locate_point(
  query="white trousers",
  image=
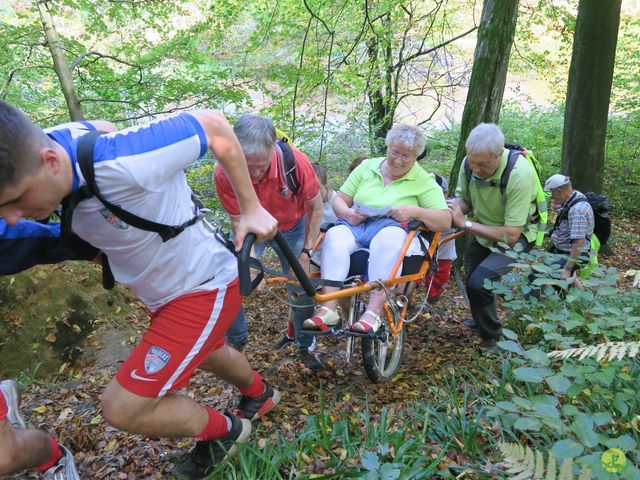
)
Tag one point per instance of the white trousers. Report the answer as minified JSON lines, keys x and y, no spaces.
{"x":384,"y":250}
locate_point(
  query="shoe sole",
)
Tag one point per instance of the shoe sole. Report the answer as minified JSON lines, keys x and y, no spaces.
{"x":242,"y":438}
{"x":319,"y":333}
{"x":12,"y":396}
{"x":268,"y":405}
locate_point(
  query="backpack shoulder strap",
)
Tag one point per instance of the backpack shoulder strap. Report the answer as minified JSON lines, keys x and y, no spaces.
{"x":69,"y":204}
{"x":467,"y":169}
{"x":288,"y":166}
{"x":564,"y":212}
{"x":506,"y":173}
{"x":467,"y":173}
{"x":85,"y":152}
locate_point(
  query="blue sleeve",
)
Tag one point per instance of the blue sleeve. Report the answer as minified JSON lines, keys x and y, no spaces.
{"x":27,"y":244}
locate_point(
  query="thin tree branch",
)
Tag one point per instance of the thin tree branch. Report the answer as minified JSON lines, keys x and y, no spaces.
{"x":75,"y":64}
{"x":5,"y":87}
{"x":313,"y":14}
{"x":295,"y":89}
{"x":421,"y":53}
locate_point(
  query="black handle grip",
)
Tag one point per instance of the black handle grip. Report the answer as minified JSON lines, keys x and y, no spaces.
{"x":244,"y":274}
{"x":244,"y":270}
{"x":298,"y":271}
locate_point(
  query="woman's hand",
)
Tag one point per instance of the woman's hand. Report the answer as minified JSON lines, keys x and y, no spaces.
{"x":403,"y":213}
{"x":353,"y":217}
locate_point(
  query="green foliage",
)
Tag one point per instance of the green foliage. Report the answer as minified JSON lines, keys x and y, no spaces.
{"x":328,"y":446}
{"x":523,"y":464}
{"x":580,"y":407}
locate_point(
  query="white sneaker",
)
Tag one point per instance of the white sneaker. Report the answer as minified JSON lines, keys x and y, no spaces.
{"x":64,"y":469}
{"x":12,"y":397}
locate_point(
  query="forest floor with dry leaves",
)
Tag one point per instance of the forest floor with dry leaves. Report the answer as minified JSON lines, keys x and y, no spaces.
{"x":437,"y":346}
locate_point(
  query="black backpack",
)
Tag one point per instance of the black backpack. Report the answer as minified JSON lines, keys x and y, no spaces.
{"x":601,"y":214}
{"x":288,"y":168}
{"x":85,"y":148}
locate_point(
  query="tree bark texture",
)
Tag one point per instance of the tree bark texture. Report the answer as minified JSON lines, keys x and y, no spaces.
{"x":589,"y":91}
{"x":383,"y":92}
{"x":60,"y":62}
{"x":489,"y":71}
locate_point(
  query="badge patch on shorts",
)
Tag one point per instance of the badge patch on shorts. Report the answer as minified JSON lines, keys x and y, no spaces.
{"x":155,"y":360}
{"x":113,"y":220}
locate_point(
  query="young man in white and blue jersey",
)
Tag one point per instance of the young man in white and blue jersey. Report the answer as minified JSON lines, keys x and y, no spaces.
{"x":189,"y":282}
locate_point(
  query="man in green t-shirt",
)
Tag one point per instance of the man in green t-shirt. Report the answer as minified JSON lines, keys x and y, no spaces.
{"x":498,"y":219}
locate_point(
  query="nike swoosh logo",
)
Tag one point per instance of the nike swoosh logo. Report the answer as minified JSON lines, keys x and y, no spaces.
{"x":135,"y":376}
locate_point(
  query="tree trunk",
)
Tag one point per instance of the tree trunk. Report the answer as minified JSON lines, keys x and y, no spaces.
{"x":60,"y":62}
{"x":489,"y":72}
{"x":588,"y":92}
{"x":381,"y":95}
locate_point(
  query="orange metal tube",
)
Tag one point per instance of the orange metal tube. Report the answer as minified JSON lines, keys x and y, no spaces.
{"x":390,"y":281}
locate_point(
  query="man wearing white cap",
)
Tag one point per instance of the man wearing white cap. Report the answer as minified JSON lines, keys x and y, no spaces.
{"x":572,"y":232}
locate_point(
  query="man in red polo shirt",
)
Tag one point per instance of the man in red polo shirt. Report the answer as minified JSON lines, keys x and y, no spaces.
{"x":299,"y":216}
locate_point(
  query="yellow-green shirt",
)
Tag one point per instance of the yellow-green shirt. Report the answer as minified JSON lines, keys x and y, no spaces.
{"x":486,"y":204}
{"x":417,"y":187}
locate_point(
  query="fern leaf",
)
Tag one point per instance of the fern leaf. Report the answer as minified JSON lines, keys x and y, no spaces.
{"x":524,"y":464}
{"x":539,"y":473}
{"x":585,"y":473}
{"x":551,"y":468}
{"x":587,"y":352}
{"x":603,"y":351}
{"x":566,"y":470}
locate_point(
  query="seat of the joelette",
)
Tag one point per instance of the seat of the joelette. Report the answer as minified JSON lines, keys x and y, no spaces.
{"x":360,"y":262}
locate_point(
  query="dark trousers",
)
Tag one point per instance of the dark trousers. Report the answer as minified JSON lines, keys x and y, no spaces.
{"x":480,"y":263}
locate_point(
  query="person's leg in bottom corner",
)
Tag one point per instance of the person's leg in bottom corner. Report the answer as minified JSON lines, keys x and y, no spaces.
{"x":184,"y":334}
{"x":22,"y":448}
{"x":25,"y":449}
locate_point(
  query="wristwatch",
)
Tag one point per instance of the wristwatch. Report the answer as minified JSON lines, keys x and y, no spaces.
{"x":309,"y":251}
{"x":468,"y":225}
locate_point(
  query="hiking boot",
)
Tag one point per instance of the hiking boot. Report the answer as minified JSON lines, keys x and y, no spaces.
{"x":254,"y":408}
{"x":205,"y":454}
{"x":64,"y":469}
{"x":470,"y":323}
{"x":12,"y":398}
{"x":489,"y":346}
{"x":310,"y":359}
{"x":283,"y":341}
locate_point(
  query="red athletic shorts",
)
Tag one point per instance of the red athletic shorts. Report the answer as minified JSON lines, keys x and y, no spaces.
{"x":182,"y":334}
{"x":3,"y":407}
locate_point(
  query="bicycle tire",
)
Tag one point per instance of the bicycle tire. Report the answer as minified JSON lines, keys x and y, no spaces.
{"x":382,"y":366}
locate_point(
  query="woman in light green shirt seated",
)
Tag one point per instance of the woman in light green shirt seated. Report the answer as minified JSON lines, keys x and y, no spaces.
{"x":373,"y":206}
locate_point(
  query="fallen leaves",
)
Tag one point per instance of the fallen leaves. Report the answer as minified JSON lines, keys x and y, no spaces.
{"x":436,"y":347}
